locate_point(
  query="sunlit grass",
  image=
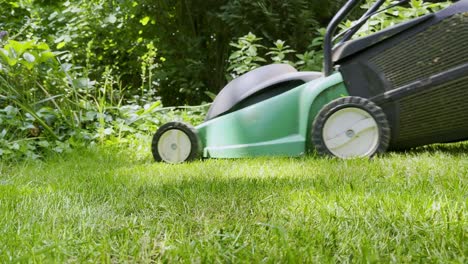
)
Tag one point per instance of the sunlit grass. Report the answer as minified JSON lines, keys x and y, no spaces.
{"x":109,"y":205}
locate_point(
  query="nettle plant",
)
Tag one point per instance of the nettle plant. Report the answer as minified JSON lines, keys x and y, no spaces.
{"x":246,"y":56}
{"x":29,"y":74}
{"x":249,"y":54}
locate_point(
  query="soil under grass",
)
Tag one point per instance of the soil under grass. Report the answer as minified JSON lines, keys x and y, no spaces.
{"x":105,"y":205}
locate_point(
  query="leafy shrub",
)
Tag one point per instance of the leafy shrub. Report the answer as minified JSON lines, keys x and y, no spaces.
{"x":279,"y":52}
{"x":312,"y":59}
{"x":249,"y":54}
{"x":25,"y":78}
{"x":94,"y":34}
{"x":31,"y":85}
{"x":246,"y":56}
{"x":99,"y":34}
{"x":393,"y":16}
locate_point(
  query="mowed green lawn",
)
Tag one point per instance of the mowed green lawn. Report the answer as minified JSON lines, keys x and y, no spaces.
{"x":107,"y":205}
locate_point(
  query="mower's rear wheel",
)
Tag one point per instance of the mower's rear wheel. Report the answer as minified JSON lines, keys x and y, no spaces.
{"x":351,"y":127}
{"x":176,"y":142}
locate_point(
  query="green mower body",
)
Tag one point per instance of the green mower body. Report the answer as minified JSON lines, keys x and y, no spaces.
{"x":278,"y":126}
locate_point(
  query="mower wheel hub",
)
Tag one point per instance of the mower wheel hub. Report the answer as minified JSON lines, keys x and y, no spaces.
{"x":174,"y":146}
{"x":351,"y":132}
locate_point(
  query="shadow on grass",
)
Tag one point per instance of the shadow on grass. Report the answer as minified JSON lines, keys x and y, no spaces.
{"x":454,"y":149}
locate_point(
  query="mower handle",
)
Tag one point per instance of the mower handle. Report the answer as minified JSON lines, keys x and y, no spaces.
{"x":372,"y":11}
{"x":333,"y":25}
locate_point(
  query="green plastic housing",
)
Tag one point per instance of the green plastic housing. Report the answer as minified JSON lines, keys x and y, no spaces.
{"x":278,"y":126}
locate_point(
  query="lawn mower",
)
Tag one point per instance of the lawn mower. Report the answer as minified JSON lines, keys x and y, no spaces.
{"x":399,"y":88}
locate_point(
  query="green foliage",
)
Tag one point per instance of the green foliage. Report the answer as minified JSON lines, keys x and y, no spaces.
{"x":15,"y":16}
{"x":394,"y":16}
{"x":91,"y":34}
{"x":19,"y":135}
{"x":111,"y":32}
{"x":148,"y":66}
{"x":193,"y":43}
{"x":246,"y":57}
{"x":249,"y":54}
{"x":312,"y":59}
{"x":279,"y":52}
{"x":37,"y":62}
{"x":293,"y":21}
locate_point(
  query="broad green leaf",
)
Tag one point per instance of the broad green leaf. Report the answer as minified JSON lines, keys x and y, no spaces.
{"x":144,"y":21}
{"x":90,"y":115}
{"x":44,"y":144}
{"x":82,"y":83}
{"x":19,"y":47}
{"x":27,"y":64}
{"x":5,"y":56}
{"x":66,"y":67}
{"x":61,"y":45}
{"x":29,"y":57}
{"x":111,"y":19}
{"x":42,"y":46}
{"x":44,"y":56}
{"x":149,"y":109}
{"x":108,"y":131}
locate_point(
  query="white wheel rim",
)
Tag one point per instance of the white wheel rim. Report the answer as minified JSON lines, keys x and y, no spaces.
{"x":174,"y":146}
{"x":351,"y":132}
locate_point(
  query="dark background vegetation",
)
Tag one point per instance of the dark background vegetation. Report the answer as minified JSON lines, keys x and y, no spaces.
{"x":192,"y":36}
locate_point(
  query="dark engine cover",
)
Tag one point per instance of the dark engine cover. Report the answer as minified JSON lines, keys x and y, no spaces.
{"x":419,"y":77}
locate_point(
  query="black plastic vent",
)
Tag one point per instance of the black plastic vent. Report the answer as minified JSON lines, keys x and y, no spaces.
{"x":437,"y":49}
{"x":266,"y":94}
{"x":439,"y":114}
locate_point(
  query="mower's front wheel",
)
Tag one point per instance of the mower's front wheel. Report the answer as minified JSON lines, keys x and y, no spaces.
{"x":176,"y":142}
{"x":351,"y":127}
